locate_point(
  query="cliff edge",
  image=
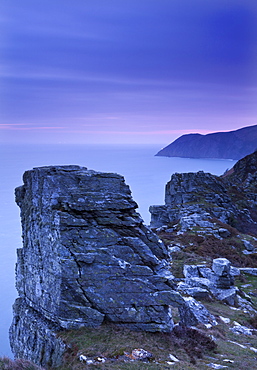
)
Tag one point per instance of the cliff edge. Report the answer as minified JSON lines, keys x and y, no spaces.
{"x":198,"y":199}
{"x":87,"y":258}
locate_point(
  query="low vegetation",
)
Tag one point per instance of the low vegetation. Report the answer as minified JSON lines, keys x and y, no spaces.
{"x":112,"y":343}
{"x":195,"y":349}
{"x":200,"y":248}
{"x":109,"y":347}
{"x":8,"y":364}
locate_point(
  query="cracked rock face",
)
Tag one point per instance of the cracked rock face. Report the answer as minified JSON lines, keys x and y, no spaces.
{"x":86,"y":257}
{"x":194,"y":200}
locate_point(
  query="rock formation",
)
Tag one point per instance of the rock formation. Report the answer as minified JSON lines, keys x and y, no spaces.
{"x":87,"y":258}
{"x":194,"y":200}
{"x":216,"y":282}
{"x":231,"y":145}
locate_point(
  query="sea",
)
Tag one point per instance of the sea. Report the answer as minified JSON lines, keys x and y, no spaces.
{"x":145,"y":173}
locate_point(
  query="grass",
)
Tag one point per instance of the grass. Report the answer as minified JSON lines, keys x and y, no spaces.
{"x":194,"y":350}
{"x":8,"y":364}
{"x":110,"y":341}
{"x":204,"y":248}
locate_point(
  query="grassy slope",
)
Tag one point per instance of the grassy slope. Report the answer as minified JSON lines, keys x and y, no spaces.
{"x":193,"y":350}
{"x":112,"y":342}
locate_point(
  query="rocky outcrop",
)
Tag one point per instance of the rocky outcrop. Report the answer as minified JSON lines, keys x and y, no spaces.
{"x":194,"y":312}
{"x":244,"y":171}
{"x":194,"y":200}
{"x":87,"y":258}
{"x":231,"y":145}
{"x":216,"y":282}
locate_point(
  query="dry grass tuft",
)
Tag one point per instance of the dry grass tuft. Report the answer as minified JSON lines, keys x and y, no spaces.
{"x":20,"y":364}
{"x":194,"y":342}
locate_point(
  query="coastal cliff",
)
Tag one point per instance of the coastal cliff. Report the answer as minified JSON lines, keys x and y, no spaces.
{"x":87,"y":258}
{"x":196,"y":199}
{"x":89,"y":262}
{"x":225,"y":145}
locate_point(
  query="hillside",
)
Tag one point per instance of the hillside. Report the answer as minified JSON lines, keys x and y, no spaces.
{"x":193,"y":198}
{"x":207,"y":235}
{"x":204,"y":218}
{"x":225,"y":145}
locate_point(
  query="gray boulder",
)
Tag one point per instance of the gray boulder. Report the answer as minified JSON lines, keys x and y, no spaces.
{"x":249,"y":270}
{"x":240,"y":329}
{"x":222,"y":277}
{"x":195,"y":292}
{"x":248,"y":246}
{"x":228,"y":296}
{"x":194,"y":312}
{"x":224,"y":233}
{"x":217,"y":282}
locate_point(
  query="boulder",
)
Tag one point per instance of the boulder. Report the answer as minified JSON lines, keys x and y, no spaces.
{"x":248,"y":245}
{"x":201,"y":281}
{"x":194,"y":312}
{"x":221,"y":266}
{"x":235,"y":271}
{"x":224,"y":233}
{"x":173,"y":250}
{"x":249,"y":270}
{"x":195,"y":292}
{"x":240,"y":329}
{"x":222,"y":277}
{"x":228,"y":296}
{"x":190,"y":271}
{"x":198,"y":271}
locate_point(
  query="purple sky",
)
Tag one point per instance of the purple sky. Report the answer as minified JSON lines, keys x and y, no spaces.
{"x":126,"y":71}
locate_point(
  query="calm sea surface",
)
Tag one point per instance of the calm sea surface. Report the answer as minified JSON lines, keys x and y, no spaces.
{"x":144,"y":173}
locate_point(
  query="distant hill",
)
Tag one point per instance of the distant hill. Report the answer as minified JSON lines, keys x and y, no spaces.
{"x":226,"y":145}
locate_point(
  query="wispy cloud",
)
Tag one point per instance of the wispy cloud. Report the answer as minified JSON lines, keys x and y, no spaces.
{"x":142,"y":68}
{"x":23,"y":127}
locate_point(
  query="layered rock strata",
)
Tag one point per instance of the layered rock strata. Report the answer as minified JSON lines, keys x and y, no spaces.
{"x":192,"y":199}
{"x":87,"y":258}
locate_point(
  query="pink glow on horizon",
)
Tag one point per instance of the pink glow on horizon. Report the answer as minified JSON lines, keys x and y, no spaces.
{"x":65,"y":129}
{"x":32,"y":128}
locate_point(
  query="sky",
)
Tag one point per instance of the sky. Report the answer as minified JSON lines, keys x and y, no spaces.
{"x":125,"y":71}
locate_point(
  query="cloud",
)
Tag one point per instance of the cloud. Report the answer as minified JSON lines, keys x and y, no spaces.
{"x":155,"y":39}
{"x":151,"y":64}
{"x":24,"y":127}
